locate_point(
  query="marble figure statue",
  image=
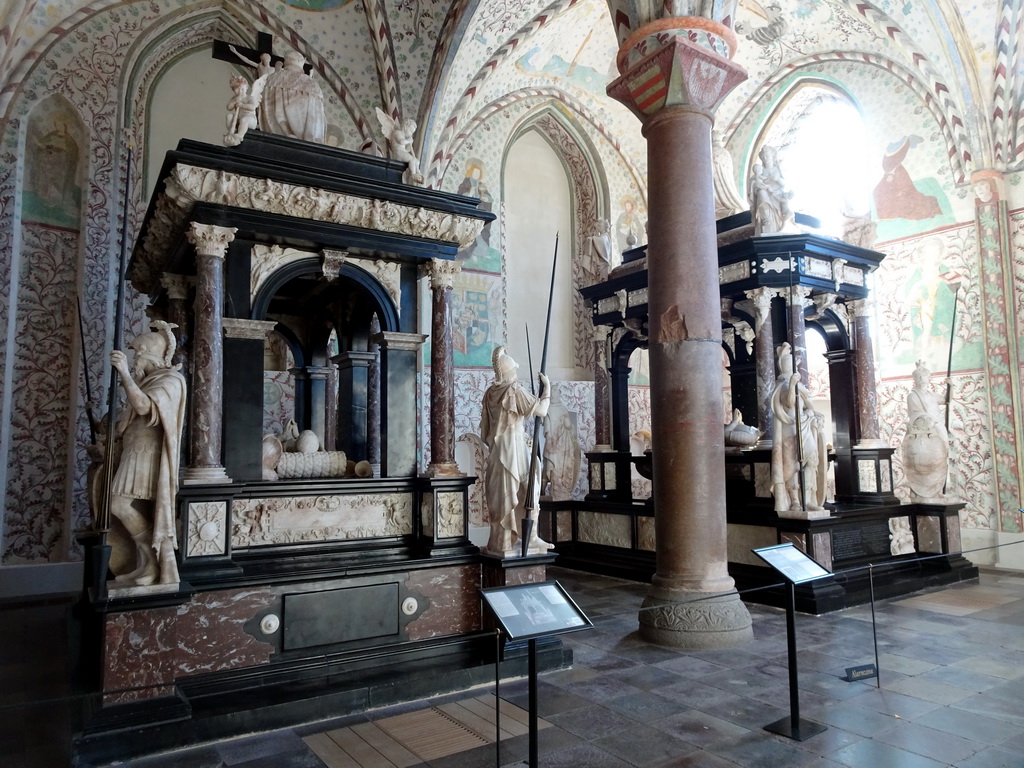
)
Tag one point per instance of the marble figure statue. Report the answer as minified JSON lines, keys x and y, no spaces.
{"x":925,"y":447}
{"x":293,"y":104}
{"x":799,"y":454}
{"x":400,"y":135}
{"x":562,"y":450}
{"x":506,"y":409}
{"x":769,"y":199}
{"x":145,"y":482}
{"x":599,"y":258}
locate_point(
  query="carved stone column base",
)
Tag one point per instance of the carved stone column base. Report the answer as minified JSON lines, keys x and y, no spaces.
{"x":870,"y":444}
{"x":444,"y":470}
{"x":805,"y":514}
{"x":204,"y":476}
{"x":695,"y":621}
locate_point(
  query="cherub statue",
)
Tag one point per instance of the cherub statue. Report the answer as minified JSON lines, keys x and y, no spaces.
{"x":400,"y":135}
{"x":242,"y":108}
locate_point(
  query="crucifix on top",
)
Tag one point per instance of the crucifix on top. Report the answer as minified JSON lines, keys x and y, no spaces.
{"x":283,"y":99}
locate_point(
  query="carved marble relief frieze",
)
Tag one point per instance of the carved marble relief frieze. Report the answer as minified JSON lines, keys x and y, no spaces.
{"x":334,"y":517}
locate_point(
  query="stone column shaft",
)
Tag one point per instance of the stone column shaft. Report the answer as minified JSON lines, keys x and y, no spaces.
{"x":673,"y":85}
{"x":602,"y":391}
{"x":798,"y":300}
{"x":864,"y":365}
{"x":442,"y":369}
{"x":764,"y":355}
{"x":177,"y":287}
{"x":373,"y":411}
{"x":206,"y":422}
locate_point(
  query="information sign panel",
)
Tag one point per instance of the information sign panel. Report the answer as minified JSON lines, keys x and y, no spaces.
{"x":793,"y":564}
{"x":534,"y":610}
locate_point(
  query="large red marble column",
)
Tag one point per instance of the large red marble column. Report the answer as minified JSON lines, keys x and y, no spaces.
{"x":602,"y":392}
{"x":764,"y":355}
{"x":206,"y":418}
{"x":864,"y":364}
{"x":692,"y":602}
{"x":798,"y":299}
{"x":442,"y":274}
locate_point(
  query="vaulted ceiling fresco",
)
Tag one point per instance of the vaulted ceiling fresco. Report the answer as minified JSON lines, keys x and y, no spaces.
{"x":452,"y":65}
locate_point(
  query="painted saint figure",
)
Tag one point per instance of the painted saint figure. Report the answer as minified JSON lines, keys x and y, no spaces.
{"x":799,"y":454}
{"x":145,"y":483}
{"x":926,"y":445}
{"x":507,"y":408}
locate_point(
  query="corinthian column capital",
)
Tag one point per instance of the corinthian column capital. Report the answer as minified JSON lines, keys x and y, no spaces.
{"x":209,"y":239}
{"x":442,"y":272}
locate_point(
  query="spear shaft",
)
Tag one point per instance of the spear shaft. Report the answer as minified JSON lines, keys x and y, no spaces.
{"x":532,"y":491}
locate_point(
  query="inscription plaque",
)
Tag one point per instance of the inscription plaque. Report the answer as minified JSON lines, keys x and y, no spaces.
{"x":866,"y":540}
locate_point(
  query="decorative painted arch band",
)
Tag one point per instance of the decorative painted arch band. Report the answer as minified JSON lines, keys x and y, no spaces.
{"x":939,"y":103}
{"x":571,"y":105}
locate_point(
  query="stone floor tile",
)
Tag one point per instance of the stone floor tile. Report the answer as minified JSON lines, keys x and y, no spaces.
{"x":895,"y":704}
{"x":239,"y":751}
{"x":772,"y":752}
{"x":701,"y":729}
{"x":971,"y":726}
{"x":874,"y":754}
{"x":929,"y":690}
{"x":992,"y":757}
{"x":856,"y":719}
{"x":593,"y":722}
{"x":922,"y":740}
{"x":644,"y":746}
{"x":645,"y":707}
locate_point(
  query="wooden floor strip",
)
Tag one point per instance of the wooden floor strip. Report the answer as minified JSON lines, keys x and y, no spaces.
{"x":412,"y":738}
{"x":329,"y":752}
{"x":386,"y":745}
{"x":356,"y":746}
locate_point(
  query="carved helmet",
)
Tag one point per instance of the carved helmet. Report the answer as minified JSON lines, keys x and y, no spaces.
{"x":158,"y":345}
{"x":504,"y":366}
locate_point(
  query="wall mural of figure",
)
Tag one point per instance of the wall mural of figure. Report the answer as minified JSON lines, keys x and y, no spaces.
{"x":53,"y":193}
{"x":896,"y":196}
{"x":481,"y":254}
{"x":629,"y":223}
{"x":931,"y":295}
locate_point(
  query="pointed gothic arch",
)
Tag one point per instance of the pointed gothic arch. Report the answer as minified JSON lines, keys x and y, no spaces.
{"x":589,"y":193}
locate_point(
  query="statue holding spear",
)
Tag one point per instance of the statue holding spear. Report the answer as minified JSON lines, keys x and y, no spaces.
{"x":512,"y":470}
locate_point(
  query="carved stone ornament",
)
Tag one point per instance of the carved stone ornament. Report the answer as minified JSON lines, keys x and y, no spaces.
{"x":779,"y":264}
{"x":388,"y":274}
{"x":240,"y":328}
{"x":267,"y":259}
{"x":333,"y":262}
{"x":209,"y":239}
{"x":401,"y":342}
{"x":442,"y":272}
{"x":730,"y":273}
{"x":187,"y":185}
{"x":207,"y":522}
{"x":761,"y":298}
{"x":316,"y":519}
{"x":449,"y":515}
{"x":176,"y":285}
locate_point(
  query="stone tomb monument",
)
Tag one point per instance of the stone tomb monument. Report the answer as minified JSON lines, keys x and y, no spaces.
{"x":310,"y":561}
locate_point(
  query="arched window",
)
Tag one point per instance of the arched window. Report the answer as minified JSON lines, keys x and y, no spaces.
{"x":823,"y":154}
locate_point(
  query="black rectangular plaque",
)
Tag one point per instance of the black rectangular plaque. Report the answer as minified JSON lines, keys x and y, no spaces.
{"x":340,"y":615}
{"x":868,"y":539}
{"x":793,"y":564}
{"x":534,"y":610}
